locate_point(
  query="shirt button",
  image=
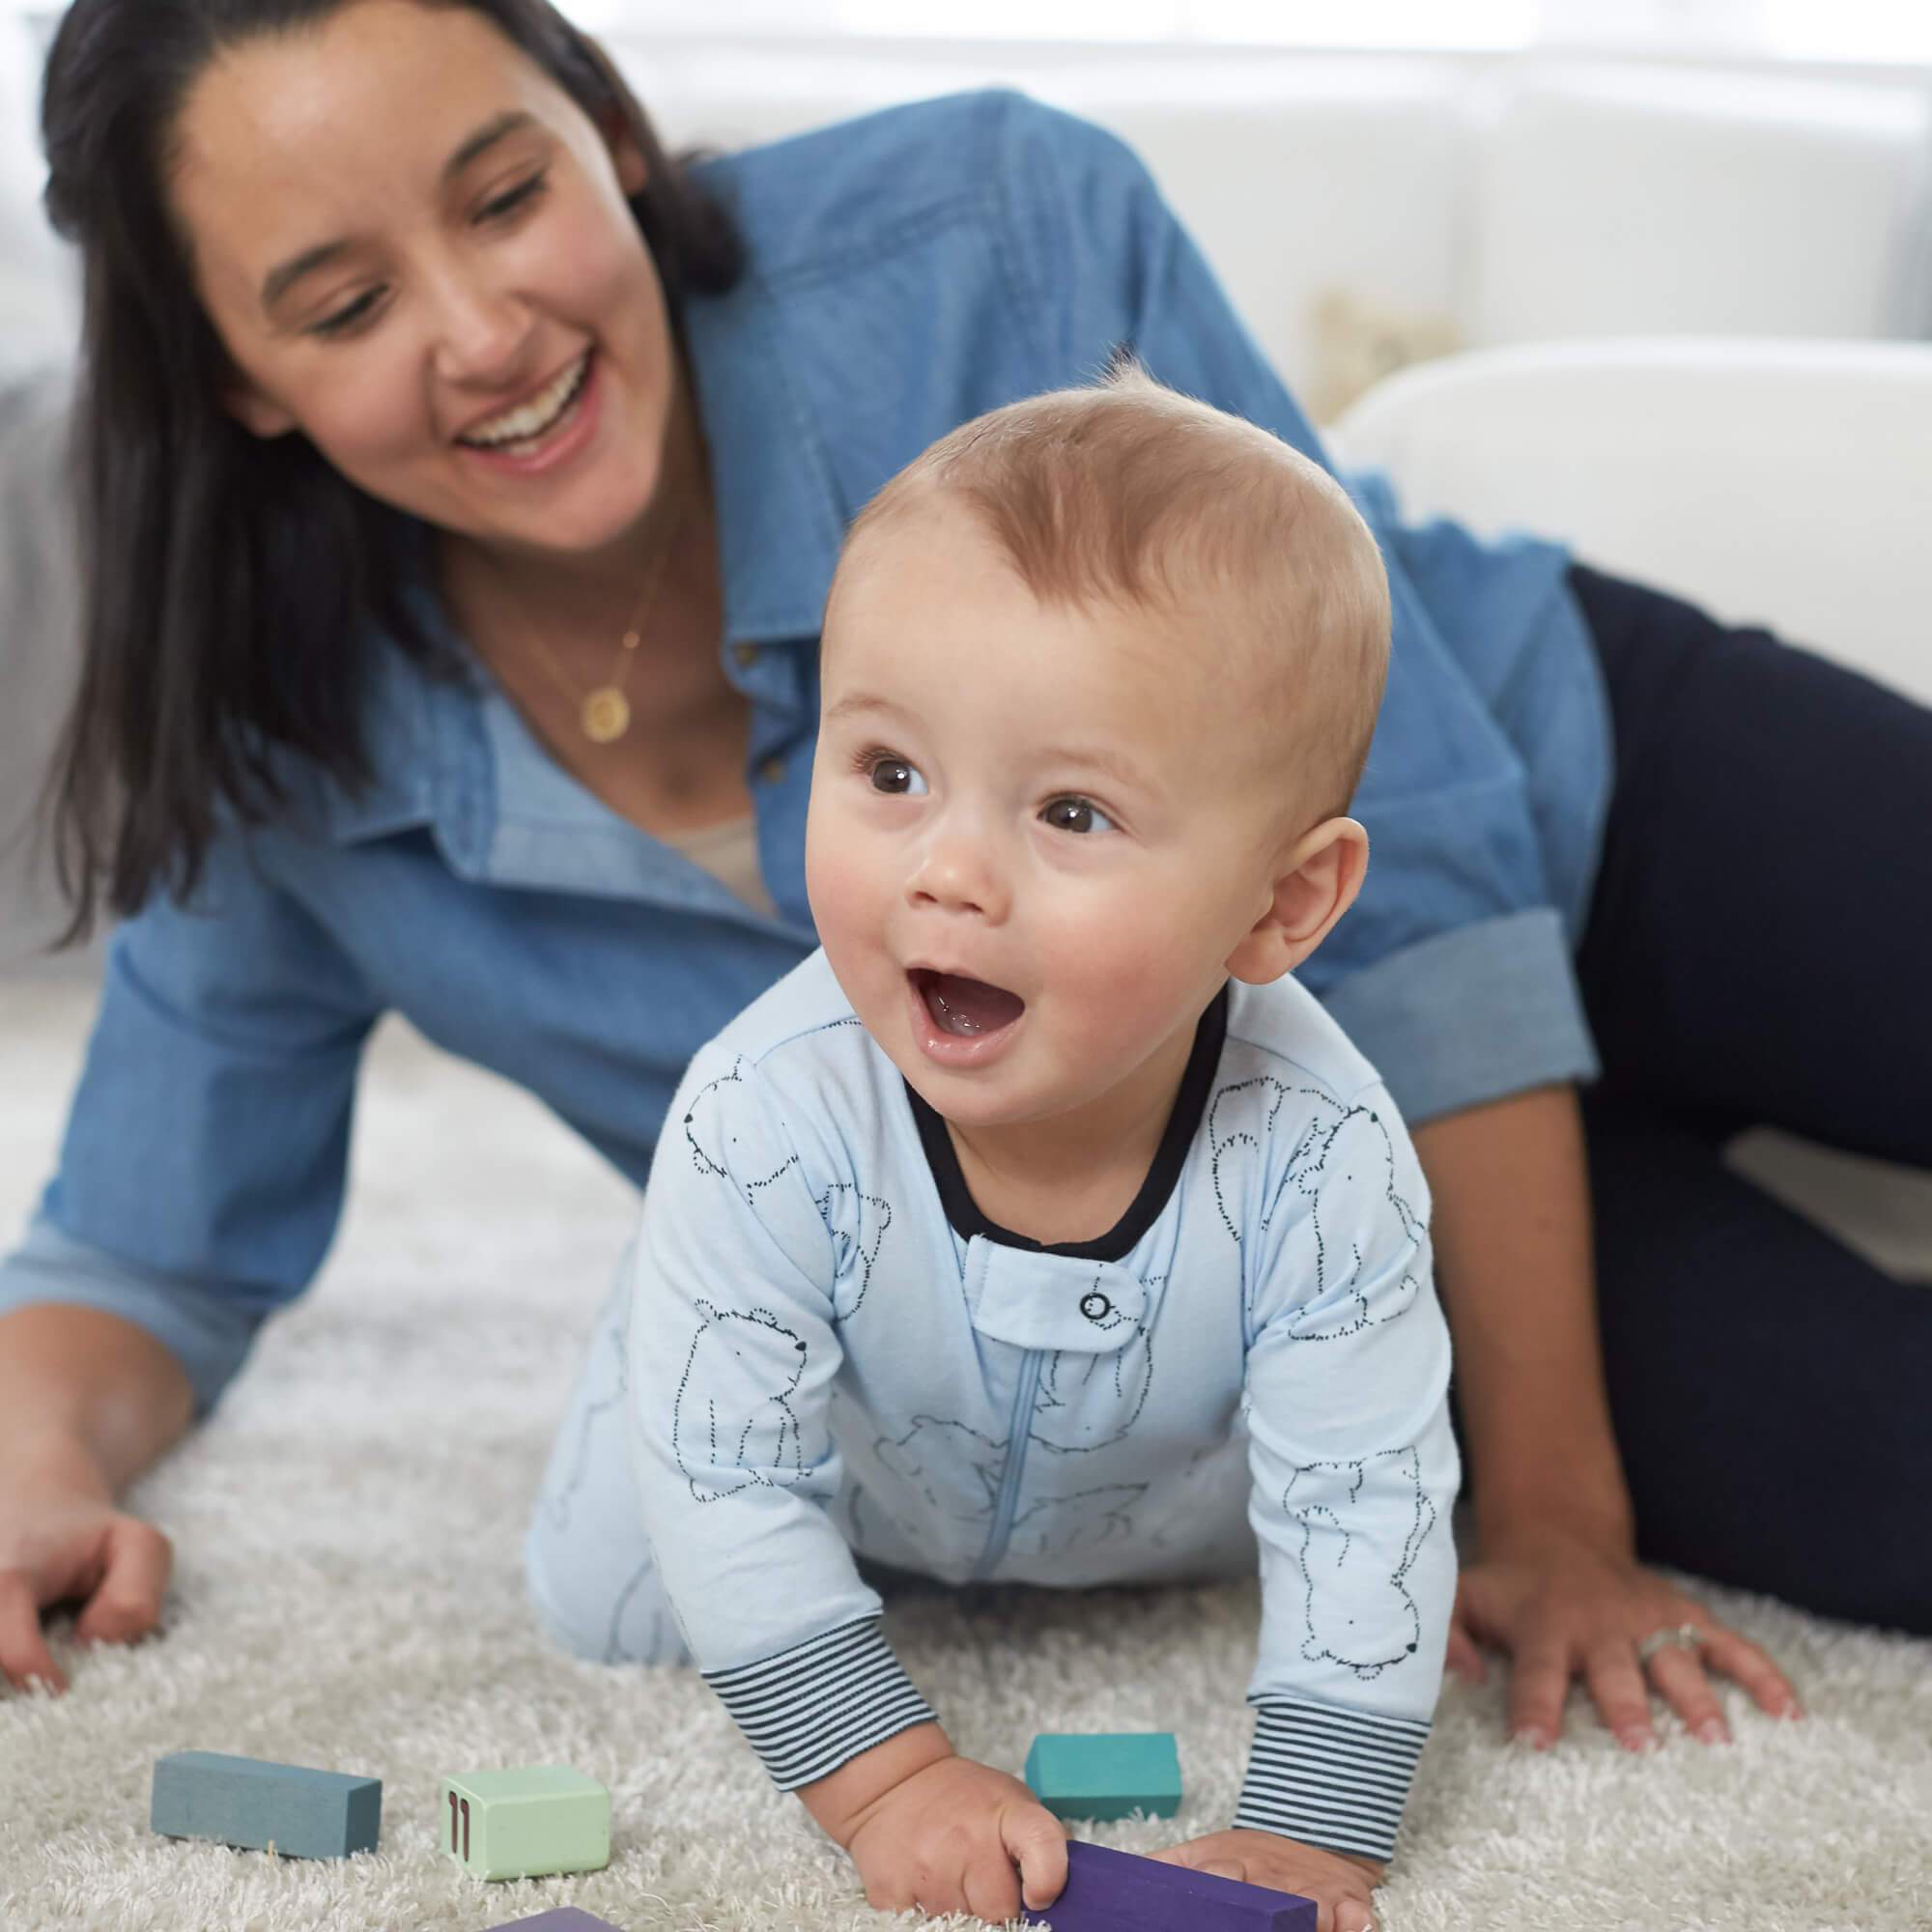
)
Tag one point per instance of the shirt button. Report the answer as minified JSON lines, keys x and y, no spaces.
{"x":772,"y":770}
{"x":746,"y":654}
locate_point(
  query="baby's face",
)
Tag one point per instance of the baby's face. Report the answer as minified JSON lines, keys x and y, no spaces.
{"x":1035,"y":833}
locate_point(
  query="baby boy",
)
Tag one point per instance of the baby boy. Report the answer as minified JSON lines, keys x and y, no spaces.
{"x":1041,"y":1228}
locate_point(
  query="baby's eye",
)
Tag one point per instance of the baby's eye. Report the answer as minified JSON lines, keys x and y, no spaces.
{"x":1077,"y":814}
{"x":895,"y":776}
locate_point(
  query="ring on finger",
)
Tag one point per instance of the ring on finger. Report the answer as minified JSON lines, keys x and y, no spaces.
{"x":1689,"y":1635}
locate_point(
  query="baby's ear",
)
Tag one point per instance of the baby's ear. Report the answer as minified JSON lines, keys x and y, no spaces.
{"x":1316,"y":882}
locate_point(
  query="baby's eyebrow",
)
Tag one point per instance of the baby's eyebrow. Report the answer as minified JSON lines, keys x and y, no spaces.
{"x":1102,"y":759}
{"x":861,"y":703}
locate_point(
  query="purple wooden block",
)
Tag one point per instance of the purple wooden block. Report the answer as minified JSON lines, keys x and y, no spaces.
{"x":565,"y":1918}
{"x":1116,"y":1892}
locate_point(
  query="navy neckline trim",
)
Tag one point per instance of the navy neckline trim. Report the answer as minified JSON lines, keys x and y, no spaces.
{"x":1190,"y":1108}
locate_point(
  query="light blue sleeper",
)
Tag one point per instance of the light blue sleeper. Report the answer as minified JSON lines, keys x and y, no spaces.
{"x":822,"y":1351}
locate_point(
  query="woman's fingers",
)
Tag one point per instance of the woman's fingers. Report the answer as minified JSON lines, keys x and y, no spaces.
{"x":1537,"y":1688}
{"x":1742,"y":1661}
{"x":127,"y":1603}
{"x":1616,"y":1681}
{"x":24,"y":1656}
{"x":1463,"y":1656}
{"x":1680,"y":1680}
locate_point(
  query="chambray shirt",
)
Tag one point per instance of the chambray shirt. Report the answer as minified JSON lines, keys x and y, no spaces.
{"x":908,"y":271}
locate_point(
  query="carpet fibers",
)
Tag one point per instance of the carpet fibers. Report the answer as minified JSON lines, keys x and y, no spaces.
{"x":347,"y":1594}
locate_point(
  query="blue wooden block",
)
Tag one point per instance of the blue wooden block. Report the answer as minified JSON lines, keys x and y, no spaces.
{"x":1105,"y":1774}
{"x":1115,"y":1891}
{"x":565,"y":1918}
{"x":248,"y":1803}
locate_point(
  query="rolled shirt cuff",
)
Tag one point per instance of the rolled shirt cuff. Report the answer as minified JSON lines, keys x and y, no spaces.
{"x":211,"y":1334}
{"x":815,"y":1707}
{"x":1471,"y":1015}
{"x":1330,"y":1777}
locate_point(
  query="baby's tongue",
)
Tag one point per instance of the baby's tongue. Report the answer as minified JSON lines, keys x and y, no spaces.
{"x":970,"y":1006}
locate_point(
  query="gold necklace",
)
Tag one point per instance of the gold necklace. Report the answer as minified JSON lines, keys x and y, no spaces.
{"x":603,"y":714}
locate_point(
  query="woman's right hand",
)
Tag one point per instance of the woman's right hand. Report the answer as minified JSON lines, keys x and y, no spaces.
{"x":62,"y":1541}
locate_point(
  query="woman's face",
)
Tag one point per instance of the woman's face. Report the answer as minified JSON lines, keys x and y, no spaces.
{"x":417,"y":250}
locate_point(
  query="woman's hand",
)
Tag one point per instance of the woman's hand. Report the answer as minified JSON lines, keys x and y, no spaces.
{"x":1338,"y":1882}
{"x":1562,"y":1605}
{"x":62,"y":1541}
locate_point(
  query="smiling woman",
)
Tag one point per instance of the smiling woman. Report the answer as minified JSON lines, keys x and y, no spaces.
{"x":355,"y":272}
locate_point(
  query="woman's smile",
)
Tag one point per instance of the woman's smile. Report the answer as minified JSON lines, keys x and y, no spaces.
{"x":546,"y":433}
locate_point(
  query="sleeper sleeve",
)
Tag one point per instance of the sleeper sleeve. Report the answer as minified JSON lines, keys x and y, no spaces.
{"x":1354,"y":1473}
{"x":734,"y":1352}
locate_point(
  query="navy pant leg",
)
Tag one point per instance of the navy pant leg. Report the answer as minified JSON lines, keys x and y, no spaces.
{"x":1760,"y":951}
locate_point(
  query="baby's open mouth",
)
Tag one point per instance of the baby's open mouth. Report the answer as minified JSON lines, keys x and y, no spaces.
{"x":962,"y":1006}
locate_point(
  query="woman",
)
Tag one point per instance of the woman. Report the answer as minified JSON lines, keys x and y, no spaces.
{"x":465,"y":479}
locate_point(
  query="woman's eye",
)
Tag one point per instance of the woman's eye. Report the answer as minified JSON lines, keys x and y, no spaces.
{"x":896,"y":777}
{"x":1077,"y":814}
{"x":346,"y":318}
{"x":512,"y":199}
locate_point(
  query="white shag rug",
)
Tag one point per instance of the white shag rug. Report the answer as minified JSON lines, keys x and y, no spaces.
{"x":349,"y":1595}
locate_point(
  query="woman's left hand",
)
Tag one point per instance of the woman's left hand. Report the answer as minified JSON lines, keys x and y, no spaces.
{"x":1338,"y":1882}
{"x":1561,"y":1606}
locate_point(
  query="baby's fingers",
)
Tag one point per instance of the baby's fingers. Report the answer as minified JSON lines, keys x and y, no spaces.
{"x":1036,"y":1843}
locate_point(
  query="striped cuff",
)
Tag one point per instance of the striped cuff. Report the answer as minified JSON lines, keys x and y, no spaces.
{"x":1334,"y":1778}
{"x":810,"y":1709}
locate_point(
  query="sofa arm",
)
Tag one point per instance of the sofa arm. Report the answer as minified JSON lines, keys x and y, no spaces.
{"x":1784,"y":482}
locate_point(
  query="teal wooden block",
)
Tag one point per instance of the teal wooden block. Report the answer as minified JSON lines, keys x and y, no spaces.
{"x":251,"y":1803}
{"x":526,"y":1823}
{"x":1105,"y":1774}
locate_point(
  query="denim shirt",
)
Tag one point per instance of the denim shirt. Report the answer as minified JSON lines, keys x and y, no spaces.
{"x":908,"y":271}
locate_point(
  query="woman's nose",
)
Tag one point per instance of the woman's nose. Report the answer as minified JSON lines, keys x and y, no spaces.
{"x":958,"y":874}
{"x":483,"y":333}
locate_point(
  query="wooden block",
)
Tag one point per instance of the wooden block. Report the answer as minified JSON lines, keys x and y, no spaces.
{"x":527,"y":1823}
{"x":1105,"y":1774}
{"x":251,"y":1803}
{"x":565,"y":1918}
{"x":1115,"y":1891}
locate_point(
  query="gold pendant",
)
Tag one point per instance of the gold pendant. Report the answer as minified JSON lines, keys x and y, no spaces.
{"x":606,"y":715}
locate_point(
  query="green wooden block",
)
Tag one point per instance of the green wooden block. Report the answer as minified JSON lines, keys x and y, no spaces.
{"x":526,"y":1823}
{"x":1105,"y":1774}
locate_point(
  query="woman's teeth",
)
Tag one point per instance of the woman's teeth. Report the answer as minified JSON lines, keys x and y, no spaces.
{"x":536,"y":418}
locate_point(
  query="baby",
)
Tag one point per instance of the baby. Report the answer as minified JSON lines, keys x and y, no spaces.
{"x":1041,"y":1228}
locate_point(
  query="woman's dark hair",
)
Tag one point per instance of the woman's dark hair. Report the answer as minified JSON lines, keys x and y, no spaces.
{"x":233,"y":585}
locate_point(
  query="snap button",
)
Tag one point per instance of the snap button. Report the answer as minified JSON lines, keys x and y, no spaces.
{"x":1095,"y":1306}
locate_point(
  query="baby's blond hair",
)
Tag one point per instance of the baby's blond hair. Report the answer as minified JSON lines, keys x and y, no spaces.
{"x":1129,"y":493}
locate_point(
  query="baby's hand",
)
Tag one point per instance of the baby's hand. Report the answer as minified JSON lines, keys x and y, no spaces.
{"x":1338,"y":1882}
{"x":947,"y":1839}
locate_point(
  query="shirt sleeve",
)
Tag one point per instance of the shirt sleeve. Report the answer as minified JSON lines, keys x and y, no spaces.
{"x":1356,"y":1474}
{"x":1454,"y":933}
{"x":201,"y":1174}
{"x":734,"y":1351}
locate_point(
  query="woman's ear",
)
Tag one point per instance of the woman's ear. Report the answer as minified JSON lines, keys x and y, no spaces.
{"x":634,"y":172}
{"x":1316,"y":883}
{"x":258,"y":413}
